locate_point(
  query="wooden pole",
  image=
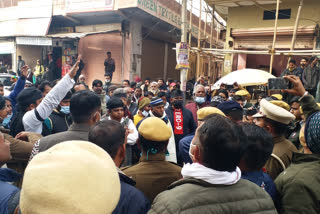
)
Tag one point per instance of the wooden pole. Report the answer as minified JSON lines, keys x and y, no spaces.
{"x":205,"y":30}
{"x":211,"y":33}
{"x":294,"y":36}
{"x":274,"y":36}
{"x":190,"y":27}
{"x":199,"y":43}
{"x":190,"y":40}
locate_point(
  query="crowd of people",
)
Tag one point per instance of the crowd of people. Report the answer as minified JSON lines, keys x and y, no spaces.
{"x":141,"y":147}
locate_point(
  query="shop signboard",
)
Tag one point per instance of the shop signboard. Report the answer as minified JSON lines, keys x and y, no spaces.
{"x":41,"y":41}
{"x":164,"y":13}
{"x":82,"y":6}
{"x":7,"y":48}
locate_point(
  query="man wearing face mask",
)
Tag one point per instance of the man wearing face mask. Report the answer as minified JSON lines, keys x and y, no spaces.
{"x":199,"y":101}
{"x":107,"y":82}
{"x":60,"y":119}
{"x":144,"y":108}
{"x":98,"y":89}
{"x":181,"y":119}
{"x":85,"y":108}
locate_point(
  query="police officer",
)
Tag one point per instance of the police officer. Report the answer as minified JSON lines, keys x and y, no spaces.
{"x":153,"y":174}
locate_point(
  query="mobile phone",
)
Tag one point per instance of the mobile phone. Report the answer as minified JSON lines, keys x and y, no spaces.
{"x":278,"y":83}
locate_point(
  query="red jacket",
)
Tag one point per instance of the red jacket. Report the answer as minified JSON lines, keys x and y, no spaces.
{"x":194,"y":107}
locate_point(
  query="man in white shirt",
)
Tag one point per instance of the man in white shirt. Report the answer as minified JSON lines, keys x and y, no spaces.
{"x":38,"y":112}
{"x":116,"y":112}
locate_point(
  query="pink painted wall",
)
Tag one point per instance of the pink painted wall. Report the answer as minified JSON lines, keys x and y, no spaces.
{"x":242,"y":61}
{"x":93,"y":49}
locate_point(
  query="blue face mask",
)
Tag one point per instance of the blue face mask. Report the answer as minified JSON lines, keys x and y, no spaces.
{"x":7,"y":120}
{"x":65,"y":109}
{"x":200,"y":100}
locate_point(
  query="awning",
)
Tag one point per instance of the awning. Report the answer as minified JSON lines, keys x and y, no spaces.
{"x":74,"y":35}
{"x":25,"y":27}
{"x":88,"y":30}
{"x":222,"y":6}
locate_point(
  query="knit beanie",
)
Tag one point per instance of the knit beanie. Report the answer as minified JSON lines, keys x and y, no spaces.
{"x":312,"y":133}
{"x":114,"y":102}
{"x":143,"y":102}
{"x":28,"y":96}
{"x":71,"y":177}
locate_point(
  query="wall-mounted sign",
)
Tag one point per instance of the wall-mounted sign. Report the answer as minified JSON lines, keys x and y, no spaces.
{"x":182,"y":55}
{"x":34,"y":41}
{"x":7,"y":48}
{"x":82,"y":6}
{"x":162,"y":12}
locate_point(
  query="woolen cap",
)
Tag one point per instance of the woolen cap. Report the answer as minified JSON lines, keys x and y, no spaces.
{"x":229,"y":106}
{"x":281,"y":104}
{"x":155,"y":129}
{"x":206,"y":111}
{"x":274,"y":112}
{"x":156,"y":101}
{"x":143,"y":102}
{"x":29,"y":96}
{"x":312,"y":133}
{"x":71,"y":177}
{"x":114,"y":102}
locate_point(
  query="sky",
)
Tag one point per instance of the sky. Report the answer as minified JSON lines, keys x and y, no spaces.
{"x":196,"y":10}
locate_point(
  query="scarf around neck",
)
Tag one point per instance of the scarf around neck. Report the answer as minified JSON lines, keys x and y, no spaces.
{"x":178,"y":121}
{"x":211,"y":176}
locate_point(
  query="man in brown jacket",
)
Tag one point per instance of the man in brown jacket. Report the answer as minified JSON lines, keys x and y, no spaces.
{"x":153,"y":174}
{"x":275,"y":120}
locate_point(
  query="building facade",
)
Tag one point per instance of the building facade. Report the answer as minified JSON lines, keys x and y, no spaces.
{"x":140,"y":34}
{"x":250,"y":26}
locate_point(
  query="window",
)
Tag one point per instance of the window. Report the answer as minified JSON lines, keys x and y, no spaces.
{"x":271,"y":15}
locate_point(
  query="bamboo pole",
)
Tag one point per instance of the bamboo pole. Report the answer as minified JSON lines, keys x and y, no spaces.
{"x":199,"y":43}
{"x":190,"y":26}
{"x":294,"y":36}
{"x":205,"y":30}
{"x":190,"y":40}
{"x":211,"y":33}
{"x":274,"y":36}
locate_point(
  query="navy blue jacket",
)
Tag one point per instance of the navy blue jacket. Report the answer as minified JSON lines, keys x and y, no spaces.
{"x":131,"y":199}
{"x":263,"y":180}
{"x":189,"y":125}
{"x":184,"y":146}
{"x":17,"y":89}
{"x":7,"y":191}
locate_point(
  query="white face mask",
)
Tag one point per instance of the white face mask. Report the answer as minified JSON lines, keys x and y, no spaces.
{"x":190,"y":154}
{"x":145,"y":113}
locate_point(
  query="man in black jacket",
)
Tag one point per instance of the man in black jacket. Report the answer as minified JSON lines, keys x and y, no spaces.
{"x":131,"y":199}
{"x":181,"y":119}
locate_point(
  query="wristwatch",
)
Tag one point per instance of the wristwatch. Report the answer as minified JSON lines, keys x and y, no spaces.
{"x":305,"y":94}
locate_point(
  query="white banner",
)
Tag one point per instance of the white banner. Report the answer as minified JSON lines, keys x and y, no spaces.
{"x":42,"y":41}
{"x":76,"y":6}
{"x":7,"y":48}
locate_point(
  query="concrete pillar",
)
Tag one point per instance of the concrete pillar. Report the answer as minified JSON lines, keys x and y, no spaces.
{"x":242,"y":61}
{"x":136,"y":49}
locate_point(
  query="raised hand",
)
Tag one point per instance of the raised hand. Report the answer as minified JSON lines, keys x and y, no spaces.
{"x":73,"y":71}
{"x":298,"y":88}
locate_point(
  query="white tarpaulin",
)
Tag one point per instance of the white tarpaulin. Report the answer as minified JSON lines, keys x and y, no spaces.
{"x":245,"y":77}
